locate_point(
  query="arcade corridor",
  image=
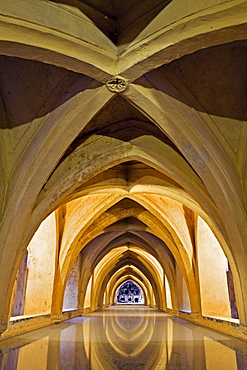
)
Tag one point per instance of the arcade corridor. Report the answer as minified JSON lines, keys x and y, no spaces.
{"x":123,"y":337}
{"x":123,"y":180}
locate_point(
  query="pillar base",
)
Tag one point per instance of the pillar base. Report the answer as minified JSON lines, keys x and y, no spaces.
{"x":3,"y":327}
{"x":243,"y":328}
{"x":190,"y":316}
{"x":57,"y":317}
{"x":195,"y":316}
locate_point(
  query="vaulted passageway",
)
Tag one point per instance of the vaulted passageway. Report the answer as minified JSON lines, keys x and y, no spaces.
{"x":83,"y":253}
{"x":124,"y":337}
{"x":123,"y":157}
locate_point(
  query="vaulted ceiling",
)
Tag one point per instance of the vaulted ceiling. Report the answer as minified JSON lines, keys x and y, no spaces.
{"x":132,"y":168}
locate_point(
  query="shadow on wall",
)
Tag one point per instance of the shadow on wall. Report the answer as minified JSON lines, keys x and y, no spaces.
{"x":31,"y":89}
{"x":201,"y":80}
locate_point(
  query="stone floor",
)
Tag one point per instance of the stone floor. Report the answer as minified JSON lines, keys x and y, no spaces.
{"x":130,"y":337}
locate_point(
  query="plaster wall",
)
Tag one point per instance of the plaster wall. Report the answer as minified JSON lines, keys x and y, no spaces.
{"x":168,"y":294}
{"x":19,"y":291}
{"x":183,"y":295}
{"x":88,"y":294}
{"x":212,"y":273}
{"x":71,"y":291}
{"x":42,"y":250}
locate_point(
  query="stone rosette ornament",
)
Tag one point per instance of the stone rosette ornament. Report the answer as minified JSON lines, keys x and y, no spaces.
{"x":117,"y":84}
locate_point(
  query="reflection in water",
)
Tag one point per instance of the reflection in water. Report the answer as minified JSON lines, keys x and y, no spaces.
{"x":135,"y":337}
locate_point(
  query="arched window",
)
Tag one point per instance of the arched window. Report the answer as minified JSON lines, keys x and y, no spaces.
{"x":129,"y":293}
